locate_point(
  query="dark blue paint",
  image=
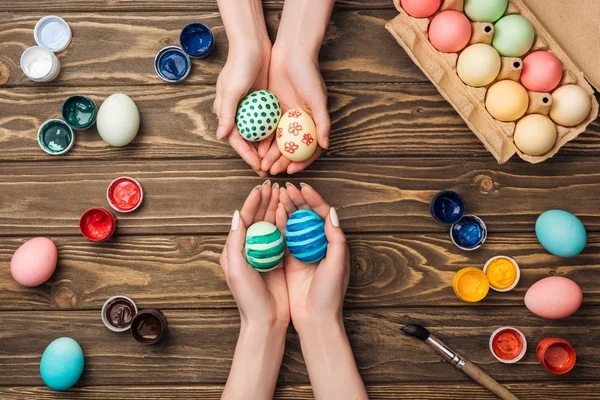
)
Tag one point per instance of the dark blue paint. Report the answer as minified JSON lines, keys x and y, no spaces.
{"x":447,"y":207}
{"x":469,"y":233}
{"x":197,"y":40}
{"x":172,"y":64}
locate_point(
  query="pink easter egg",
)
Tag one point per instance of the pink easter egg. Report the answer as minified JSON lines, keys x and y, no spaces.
{"x":449,"y":31}
{"x":542,"y":71}
{"x":34,"y":262}
{"x":420,"y":8}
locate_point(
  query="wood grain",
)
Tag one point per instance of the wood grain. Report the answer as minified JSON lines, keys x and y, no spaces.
{"x":407,"y":270}
{"x":356,"y":48}
{"x":186,"y":197}
{"x":200,"y":344}
{"x":390,"y":391}
{"x":177,"y":122}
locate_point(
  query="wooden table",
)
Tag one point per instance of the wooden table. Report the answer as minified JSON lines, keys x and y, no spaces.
{"x":395,"y":143}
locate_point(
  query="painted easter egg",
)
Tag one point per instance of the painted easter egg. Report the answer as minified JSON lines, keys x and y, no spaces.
{"x":478,"y":65}
{"x":258,"y":115}
{"x":449,"y":31}
{"x":62,"y":364}
{"x":506,"y":100}
{"x":296,"y":135}
{"x":570,"y":105}
{"x":264,"y":246}
{"x":535,"y":134}
{"x":118,"y":120}
{"x":513,"y":35}
{"x":542,"y":71}
{"x":420,"y":8}
{"x":34,"y":262}
{"x":561,"y":233}
{"x":305,"y":236}
{"x":554,"y":297}
{"x":485,"y":10}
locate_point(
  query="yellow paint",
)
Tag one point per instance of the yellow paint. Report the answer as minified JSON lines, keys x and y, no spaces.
{"x":471,"y":284}
{"x":501,"y":273}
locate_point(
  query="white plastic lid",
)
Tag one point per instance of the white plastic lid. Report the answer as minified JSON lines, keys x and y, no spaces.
{"x":53,"y":33}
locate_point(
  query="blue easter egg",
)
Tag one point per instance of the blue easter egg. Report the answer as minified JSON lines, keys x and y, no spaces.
{"x":305,"y":236}
{"x":561,"y":233}
{"x":62,"y":364}
{"x":264,"y":246}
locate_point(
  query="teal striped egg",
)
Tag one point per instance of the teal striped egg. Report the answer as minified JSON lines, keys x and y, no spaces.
{"x":264,"y":246}
{"x":258,"y":115}
{"x":305,"y":236}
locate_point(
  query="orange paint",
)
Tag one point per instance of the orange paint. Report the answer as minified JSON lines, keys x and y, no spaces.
{"x":556,"y":355}
{"x":507,"y":344}
{"x":470,"y":284}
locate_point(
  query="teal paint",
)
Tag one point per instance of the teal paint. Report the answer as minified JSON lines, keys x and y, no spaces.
{"x":264,"y":246}
{"x":80,"y":112}
{"x":55,"y":137}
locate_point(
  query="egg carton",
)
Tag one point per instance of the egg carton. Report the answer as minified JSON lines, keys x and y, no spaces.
{"x":469,"y":102}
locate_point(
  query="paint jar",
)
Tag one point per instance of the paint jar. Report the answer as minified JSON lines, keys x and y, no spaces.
{"x":447,"y":207}
{"x":118,"y":312}
{"x":80,"y":112}
{"x":125,"y":194}
{"x":172,"y":64}
{"x":508,"y":344}
{"x":503,"y":273}
{"x":55,"y":137}
{"x":40,"y":64}
{"x":53,"y":33}
{"x":556,"y":355}
{"x":469,"y":233}
{"x":470,"y":284}
{"x":97,"y":224}
{"x":197,"y":40}
{"x":149,"y":326}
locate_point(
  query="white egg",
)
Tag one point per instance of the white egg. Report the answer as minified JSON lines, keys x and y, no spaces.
{"x":118,"y":120}
{"x":296,"y":135}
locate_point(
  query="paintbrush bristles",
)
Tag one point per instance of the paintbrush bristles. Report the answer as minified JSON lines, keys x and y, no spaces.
{"x":417,"y":331}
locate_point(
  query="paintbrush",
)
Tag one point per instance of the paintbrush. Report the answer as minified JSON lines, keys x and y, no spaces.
{"x":473,"y":371}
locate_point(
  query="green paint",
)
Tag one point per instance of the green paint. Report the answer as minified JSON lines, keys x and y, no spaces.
{"x":251,"y":112}
{"x":55,"y":137}
{"x":80,"y":112}
{"x":264,"y":246}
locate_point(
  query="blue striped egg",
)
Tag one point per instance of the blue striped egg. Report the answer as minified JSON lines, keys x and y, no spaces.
{"x":305,"y":236}
{"x":264,"y":246}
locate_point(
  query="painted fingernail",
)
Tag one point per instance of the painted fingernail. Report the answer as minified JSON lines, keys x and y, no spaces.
{"x":220,"y":132}
{"x":288,"y":184}
{"x":302,"y":184}
{"x":235,"y":221}
{"x":326,"y":143}
{"x":334,"y":217}
{"x":276,"y":185}
{"x":259,"y":187}
{"x":267,"y":182}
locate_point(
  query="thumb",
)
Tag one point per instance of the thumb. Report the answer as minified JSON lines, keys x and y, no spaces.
{"x":317,"y":102}
{"x":227,"y":111}
{"x":337,"y":247}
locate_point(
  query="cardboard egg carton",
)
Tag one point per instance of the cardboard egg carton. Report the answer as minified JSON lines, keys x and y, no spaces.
{"x":469,"y":102}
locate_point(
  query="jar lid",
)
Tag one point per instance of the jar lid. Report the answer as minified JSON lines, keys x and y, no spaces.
{"x":125,"y":194}
{"x":55,"y":137}
{"x":118,"y":312}
{"x":53,"y":33}
{"x":447,"y":207}
{"x":172,"y":64}
{"x":197,"y":40}
{"x":80,"y":112}
{"x":149,"y":326}
{"x":470,"y":284}
{"x":97,"y":224}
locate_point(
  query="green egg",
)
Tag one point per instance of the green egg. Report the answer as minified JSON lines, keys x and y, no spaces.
{"x":485,"y":10}
{"x":513,"y":36}
{"x":260,"y":100}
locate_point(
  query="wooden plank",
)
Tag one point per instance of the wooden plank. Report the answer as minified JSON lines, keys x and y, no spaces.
{"x":119,"y":48}
{"x":387,"y":271}
{"x":185,"y":197}
{"x":177,"y":122}
{"x":391,"y":391}
{"x":200,"y":344}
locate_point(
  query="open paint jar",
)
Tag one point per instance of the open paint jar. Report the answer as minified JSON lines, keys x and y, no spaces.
{"x":125,"y":194}
{"x":172,"y":64}
{"x":149,"y":326}
{"x":556,"y":355}
{"x":79,"y":112}
{"x":118,"y":313}
{"x":55,"y":137}
{"x":470,"y":284}
{"x":40,"y":64}
{"x":503,"y":273}
{"x":197,"y":40}
{"x":508,"y":344}
{"x":97,"y":224}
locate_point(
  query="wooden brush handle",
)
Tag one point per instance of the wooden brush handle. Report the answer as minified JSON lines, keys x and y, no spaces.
{"x":487,"y":381}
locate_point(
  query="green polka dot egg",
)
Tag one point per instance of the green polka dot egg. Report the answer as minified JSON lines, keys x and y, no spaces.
{"x":264,"y":246}
{"x":258,"y":115}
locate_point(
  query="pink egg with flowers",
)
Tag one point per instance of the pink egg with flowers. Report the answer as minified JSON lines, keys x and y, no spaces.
{"x":34,"y":262}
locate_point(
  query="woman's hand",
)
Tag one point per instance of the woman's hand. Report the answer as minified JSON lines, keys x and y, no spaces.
{"x":262,"y":299}
{"x":245,"y":70}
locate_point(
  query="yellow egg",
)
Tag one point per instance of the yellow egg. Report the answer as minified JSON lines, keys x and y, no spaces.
{"x":296,"y":135}
{"x":478,"y":65}
{"x":570,"y":105}
{"x":535,"y":134}
{"x":506,"y":100}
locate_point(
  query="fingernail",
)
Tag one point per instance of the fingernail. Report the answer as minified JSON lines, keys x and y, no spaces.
{"x":288,"y":184}
{"x":302,"y":184}
{"x":259,"y":187}
{"x":220,"y":132}
{"x":235,"y":221}
{"x":326,"y":143}
{"x":334,"y":218}
{"x":276,"y":185}
{"x":267,"y":182}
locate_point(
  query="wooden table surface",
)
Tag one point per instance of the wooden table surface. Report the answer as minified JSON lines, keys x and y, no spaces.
{"x":395,"y":143}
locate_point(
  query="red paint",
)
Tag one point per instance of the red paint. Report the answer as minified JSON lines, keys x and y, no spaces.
{"x":556,"y":355}
{"x":97,"y":224}
{"x":125,"y":194}
{"x":507,"y":344}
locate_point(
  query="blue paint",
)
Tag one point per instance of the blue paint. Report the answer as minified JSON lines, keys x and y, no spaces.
{"x":172,"y":64}
{"x":469,"y":233}
{"x":197,"y":40}
{"x":447,"y":207}
{"x":305,"y":236}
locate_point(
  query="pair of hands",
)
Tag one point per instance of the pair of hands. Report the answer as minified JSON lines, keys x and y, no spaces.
{"x":311,"y":294}
{"x":293,"y":76}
